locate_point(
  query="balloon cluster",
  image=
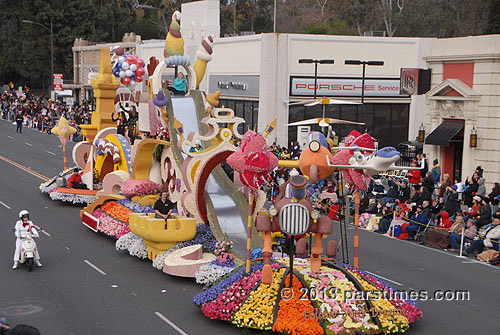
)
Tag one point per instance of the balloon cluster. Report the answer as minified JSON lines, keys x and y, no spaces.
{"x":129,"y":68}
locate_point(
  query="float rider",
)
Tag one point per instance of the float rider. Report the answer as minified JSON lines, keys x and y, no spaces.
{"x":22,"y":228}
{"x":180,"y":85}
{"x":163,"y":207}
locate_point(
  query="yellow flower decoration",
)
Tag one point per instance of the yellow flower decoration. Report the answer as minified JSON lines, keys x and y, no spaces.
{"x":63,"y":128}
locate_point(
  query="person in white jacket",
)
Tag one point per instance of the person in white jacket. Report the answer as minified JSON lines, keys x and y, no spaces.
{"x":23,"y":226}
{"x":491,"y":239}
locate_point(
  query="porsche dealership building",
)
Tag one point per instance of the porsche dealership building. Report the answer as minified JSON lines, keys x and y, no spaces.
{"x":262,"y":78}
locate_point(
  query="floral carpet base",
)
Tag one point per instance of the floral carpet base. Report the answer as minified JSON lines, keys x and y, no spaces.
{"x":73,"y":198}
{"x":337,"y":300}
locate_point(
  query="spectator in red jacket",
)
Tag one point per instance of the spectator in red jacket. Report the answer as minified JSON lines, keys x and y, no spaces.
{"x":445,"y":222}
{"x":414,"y":174}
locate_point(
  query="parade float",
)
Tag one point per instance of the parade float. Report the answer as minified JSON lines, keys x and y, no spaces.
{"x":221,"y":234}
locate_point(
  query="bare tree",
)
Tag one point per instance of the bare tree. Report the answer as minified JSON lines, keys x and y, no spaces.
{"x":321,"y":4}
{"x":389,"y":13}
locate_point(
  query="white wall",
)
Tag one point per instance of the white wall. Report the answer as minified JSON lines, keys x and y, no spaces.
{"x":418,"y":102}
{"x":198,"y":20}
{"x":236,"y":55}
{"x":395,"y":52}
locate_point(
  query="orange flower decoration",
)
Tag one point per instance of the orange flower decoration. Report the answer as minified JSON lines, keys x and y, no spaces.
{"x":116,"y":211}
{"x":292,"y":313}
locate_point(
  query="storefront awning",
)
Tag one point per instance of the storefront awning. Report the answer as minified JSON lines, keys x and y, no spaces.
{"x":445,"y":132}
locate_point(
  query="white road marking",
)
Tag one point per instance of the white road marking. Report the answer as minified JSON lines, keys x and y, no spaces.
{"x":42,"y":230}
{"x":4,"y":205}
{"x":94,"y":267}
{"x":180,"y":331}
{"x":386,"y":279}
{"x":28,"y":144}
{"x":10,"y":137}
{"x":50,"y":152}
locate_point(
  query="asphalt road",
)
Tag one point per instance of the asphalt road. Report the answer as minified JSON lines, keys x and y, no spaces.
{"x":125,"y":295}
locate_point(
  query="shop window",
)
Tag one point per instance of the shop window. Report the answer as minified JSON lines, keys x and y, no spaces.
{"x":247,"y":110}
{"x":382,"y":124}
{"x":388,"y":123}
{"x":366,"y":115}
{"x":255,"y":114}
{"x":296,"y":113}
{"x":349,"y":113}
{"x":399,"y":123}
{"x":247,"y":115}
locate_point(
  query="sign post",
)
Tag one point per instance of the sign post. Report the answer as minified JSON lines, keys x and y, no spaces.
{"x":58,"y":82}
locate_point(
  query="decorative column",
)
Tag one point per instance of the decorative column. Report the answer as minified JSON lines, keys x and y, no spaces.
{"x":469,"y":154}
{"x":435,"y":122}
{"x":105,"y":86}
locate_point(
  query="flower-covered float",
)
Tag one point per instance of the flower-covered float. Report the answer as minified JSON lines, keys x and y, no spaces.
{"x":316,"y":297}
{"x":337,"y":299}
{"x":127,"y":176}
{"x":206,"y":239}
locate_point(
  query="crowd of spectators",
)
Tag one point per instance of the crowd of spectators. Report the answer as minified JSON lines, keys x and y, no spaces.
{"x":41,"y":113}
{"x":422,"y":205}
{"x":428,"y":207}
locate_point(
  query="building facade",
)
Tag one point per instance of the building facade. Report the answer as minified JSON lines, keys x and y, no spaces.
{"x":269,"y":64}
{"x":464,"y":101}
{"x":261,"y":79}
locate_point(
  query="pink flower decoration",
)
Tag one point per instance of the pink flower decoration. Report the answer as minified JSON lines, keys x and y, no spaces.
{"x":253,"y":160}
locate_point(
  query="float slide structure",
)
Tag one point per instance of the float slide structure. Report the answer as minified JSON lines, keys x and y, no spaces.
{"x":221,"y":204}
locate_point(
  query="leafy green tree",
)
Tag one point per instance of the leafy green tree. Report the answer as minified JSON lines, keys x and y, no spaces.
{"x":335,"y":26}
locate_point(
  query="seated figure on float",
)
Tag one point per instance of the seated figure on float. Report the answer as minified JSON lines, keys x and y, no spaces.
{"x":164,"y":207}
{"x":75,"y":180}
{"x":180,"y":85}
{"x":269,"y":223}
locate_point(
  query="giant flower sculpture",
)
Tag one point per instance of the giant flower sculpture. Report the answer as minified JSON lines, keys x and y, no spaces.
{"x":64,"y":131}
{"x":253,"y":161}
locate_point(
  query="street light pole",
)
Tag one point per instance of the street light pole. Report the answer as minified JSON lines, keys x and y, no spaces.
{"x":357,"y":194}
{"x":51,"y":46}
{"x":274,"y":17}
{"x":315,"y":61}
{"x":363,"y":88}
{"x":315,"y":78}
{"x":51,"y":54}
